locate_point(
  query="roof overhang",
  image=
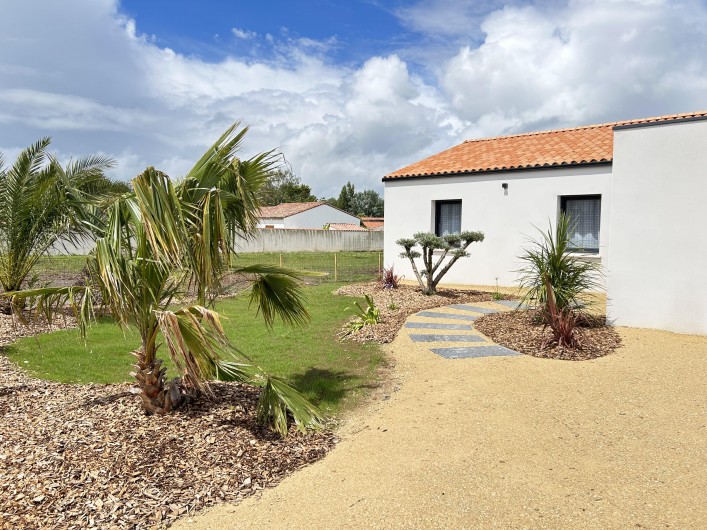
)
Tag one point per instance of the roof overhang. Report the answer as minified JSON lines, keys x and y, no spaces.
{"x":499,"y":170}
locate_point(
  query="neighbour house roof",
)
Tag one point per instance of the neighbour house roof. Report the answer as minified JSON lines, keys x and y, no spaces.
{"x":591,"y":144}
{"x":372,"y":222}
{"x":346,"y":226}
{"x":286,"y":209}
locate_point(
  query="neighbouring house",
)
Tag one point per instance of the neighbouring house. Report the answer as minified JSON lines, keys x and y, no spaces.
{"x":303,"y":215}
{"x":346,"y":226}
{"x":373,"y":223}
{"x":637,"y":191}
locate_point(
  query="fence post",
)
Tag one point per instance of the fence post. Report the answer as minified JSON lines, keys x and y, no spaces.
{"x":336,"y":267}
{"x":380,"y":272}
{"x":280,"y":260}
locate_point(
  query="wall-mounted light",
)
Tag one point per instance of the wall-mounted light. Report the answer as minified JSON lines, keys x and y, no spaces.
{"x":505,"y":186}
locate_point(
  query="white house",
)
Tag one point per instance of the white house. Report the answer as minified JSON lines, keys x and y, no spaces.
{"x":303,"y":215}
{"x":636,"y":189}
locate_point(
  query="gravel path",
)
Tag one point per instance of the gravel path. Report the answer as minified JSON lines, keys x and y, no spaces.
{"x":511,"y":442}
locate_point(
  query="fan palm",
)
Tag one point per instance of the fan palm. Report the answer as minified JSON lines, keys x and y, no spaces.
{"x":41,"y":205}
{"x":164,"y":238}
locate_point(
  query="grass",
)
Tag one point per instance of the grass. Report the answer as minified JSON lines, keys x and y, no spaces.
{"x":334,"y":375}
{"x":73,"y":263}
{"x":350,"y":266}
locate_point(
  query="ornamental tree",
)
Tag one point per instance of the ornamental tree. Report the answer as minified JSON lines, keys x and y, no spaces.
{"x":454,"y":245}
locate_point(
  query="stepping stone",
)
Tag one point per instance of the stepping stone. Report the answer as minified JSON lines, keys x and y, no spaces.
{"x":433,"y":337}
{"x":432,"y":314}
{"x":474,"y":351}
{"x":473,"y":308}
{"x":513,"y":304}
{"x":437,"y":325}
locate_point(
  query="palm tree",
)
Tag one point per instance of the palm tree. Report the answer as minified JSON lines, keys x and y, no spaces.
{"x":165,"y":238}
{"x":41,"y":205}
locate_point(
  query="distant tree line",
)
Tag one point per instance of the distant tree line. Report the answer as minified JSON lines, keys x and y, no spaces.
{"x":284,"y":186}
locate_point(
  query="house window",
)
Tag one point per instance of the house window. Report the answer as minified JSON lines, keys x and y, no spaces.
{"x":584,"y":213}
{"x":448,"y":217}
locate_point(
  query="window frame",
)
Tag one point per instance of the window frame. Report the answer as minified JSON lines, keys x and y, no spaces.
{"x":563,"y":209}
{"x":437,"y":210}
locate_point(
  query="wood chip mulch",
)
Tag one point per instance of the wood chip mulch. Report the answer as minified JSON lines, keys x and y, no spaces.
{"x":396,"y":305}
{"x":11,"y":329}
{"x":84,"y":456}
{"x":520,"y":331}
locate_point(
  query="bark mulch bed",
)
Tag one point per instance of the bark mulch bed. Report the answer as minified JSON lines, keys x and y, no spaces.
{"x":396,"y":305}
{"x":522,"y":332}
{"x":77,"y":456}
{"x":12,"y":329}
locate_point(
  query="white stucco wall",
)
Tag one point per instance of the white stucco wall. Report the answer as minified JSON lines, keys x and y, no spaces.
{"x":318,"y":216}
{"x":275,"y":222}
{"x":507,"y":219}
{"x":656,"y":273}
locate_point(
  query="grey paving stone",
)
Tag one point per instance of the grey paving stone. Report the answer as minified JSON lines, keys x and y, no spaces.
{"x":513,"y":304}
{"x":437,"y":325}
{"x":474,"y":351}
{"x":433,"y":314}
{"x":434,"y":337}
{"x":473,"y":308}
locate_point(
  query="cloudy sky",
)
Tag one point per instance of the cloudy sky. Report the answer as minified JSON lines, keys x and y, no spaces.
{"x":345,"y":89}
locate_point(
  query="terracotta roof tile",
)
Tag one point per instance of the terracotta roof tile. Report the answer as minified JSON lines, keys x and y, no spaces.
{"x":286,"y":209}
{"x":372,"y":222}
{"x":346,"y":226}
{"x":563,"y":147}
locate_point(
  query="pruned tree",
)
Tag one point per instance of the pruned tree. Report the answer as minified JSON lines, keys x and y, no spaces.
{"x":453,"y":245}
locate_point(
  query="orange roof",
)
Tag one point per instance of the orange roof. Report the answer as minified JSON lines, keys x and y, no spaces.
{"x":372,"y":222}
{"x":286,"y":209}
{"x":590,"y":144}
{"x":346,"y":226}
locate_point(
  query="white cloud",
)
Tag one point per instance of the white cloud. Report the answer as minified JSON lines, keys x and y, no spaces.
{"x":588,"y":61}
{"x":243,"y":34}
{"x":84,"y":73}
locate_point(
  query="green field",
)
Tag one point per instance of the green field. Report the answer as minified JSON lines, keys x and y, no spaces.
{"x":334,"y":375}
{"x":327,"y":266}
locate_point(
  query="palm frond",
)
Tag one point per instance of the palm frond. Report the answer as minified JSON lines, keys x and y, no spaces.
{"x":196,"y":342}
{"x":51,"y":301}
{"x":276,"y":292}
{"x":277,"y":398}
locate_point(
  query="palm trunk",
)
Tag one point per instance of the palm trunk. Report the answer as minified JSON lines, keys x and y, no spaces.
{"x":157,"y":396}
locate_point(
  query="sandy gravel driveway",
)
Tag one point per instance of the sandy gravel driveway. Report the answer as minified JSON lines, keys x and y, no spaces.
{"x":512,"y":442}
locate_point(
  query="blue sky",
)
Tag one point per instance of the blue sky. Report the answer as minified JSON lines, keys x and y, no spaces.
{"x":344,"y":90}
{"x":356,"y":29}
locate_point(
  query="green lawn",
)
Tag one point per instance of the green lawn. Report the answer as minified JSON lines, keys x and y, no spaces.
{"x":60,"y":264}
{"x":350,"y":266}
{"x":333,"y":374}
{"x":341,"y":266}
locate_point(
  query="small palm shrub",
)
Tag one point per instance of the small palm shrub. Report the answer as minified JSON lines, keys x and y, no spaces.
{"x":562,"y":322}
{"x":364,"y":316}
{"x":555,"y":281}
{"x":433,"y":271}
{"x":391,"y":280}
{"x":549,"y":261}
